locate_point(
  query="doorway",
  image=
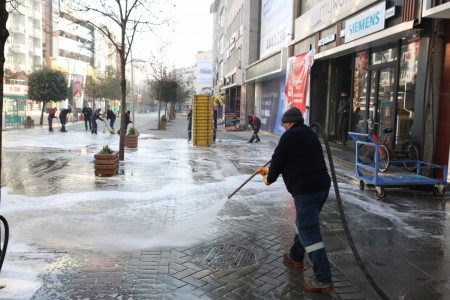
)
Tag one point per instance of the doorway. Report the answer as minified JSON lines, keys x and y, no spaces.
{"x":382,"y":95}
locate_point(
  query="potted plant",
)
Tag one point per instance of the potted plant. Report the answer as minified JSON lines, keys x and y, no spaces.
{"x":131,"y":138}
{"x":162,"y":123}
{"x":106,"y":161}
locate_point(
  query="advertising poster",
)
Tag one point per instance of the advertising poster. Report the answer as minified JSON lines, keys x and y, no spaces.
{"x":276,"y":25}
{"x":204,"y":71}
{"x":270,"y":99}
{"x":77,"y":85}
{"x":297,"y":82}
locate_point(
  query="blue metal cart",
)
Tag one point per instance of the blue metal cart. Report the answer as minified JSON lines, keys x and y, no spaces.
{"x":368,"y":172}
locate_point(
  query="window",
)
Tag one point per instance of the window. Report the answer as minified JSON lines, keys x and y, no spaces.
{"x":407,"y":89}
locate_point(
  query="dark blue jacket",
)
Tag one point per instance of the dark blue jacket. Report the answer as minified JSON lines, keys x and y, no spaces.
{"x":299,"y":158}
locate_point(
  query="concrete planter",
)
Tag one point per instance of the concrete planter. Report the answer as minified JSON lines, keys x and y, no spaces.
{"x":131,"y":141}
{"x":106,"y":164}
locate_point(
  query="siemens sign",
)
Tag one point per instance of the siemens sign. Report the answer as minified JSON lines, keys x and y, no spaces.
{"x":368,"y":22}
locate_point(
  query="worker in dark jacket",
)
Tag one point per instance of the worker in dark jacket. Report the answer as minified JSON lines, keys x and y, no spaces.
{"x":87,"y":113}
{"x":111,"y":116}
{"x":254,"y":123}
{"x":127,"y":121}
{"x":96,"y":116}
{"x":299,"y":159}
{"x":63,"y":118}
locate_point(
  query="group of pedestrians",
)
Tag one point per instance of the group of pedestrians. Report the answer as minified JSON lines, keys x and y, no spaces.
{"x":62,"y":118}
{"x":90,"y":119}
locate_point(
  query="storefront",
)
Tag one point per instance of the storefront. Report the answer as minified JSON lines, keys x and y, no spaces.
{"x":233,"y":108}
{"x":372,"y":54}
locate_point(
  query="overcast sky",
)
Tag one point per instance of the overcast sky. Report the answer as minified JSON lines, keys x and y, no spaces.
{"x":190,"y":33}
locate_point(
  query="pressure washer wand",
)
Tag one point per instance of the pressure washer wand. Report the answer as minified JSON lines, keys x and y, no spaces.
{"x":245,"y":182}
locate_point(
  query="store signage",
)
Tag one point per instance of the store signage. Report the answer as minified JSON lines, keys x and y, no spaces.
{"x":390,"y":12}
{"x":324,"y":13}
{"x":365,"y":23}
{"x":326,"y":40}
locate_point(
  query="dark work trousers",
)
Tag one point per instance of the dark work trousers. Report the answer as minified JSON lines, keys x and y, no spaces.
{"x":343,"y":127}
{"x":215,"y":125}
{"x":254,"y":135}
{"x":87,"y":120}
{"x":308,"y":238}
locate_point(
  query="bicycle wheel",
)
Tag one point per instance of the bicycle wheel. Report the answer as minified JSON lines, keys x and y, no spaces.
{"x":411,"y":156}
{"x":365,"y":153}
{"x":384,"y":158}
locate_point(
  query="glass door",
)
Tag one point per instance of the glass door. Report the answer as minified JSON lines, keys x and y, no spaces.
{"x":381,"y":101}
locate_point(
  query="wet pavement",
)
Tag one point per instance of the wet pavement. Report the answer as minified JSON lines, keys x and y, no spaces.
{"x":164,"y":229}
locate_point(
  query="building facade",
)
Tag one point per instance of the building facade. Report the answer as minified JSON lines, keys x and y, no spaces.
{"x":387,"y":56}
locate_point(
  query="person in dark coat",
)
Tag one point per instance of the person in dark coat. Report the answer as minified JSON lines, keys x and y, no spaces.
{"x":87,"y":113}
{"x":111,"y":116}
{"x":63,"y":118}
{"x":189,"y":118}
{"x":254,"y":123}
{"x":343,"y":120}
{"x":96,"y":116}
{"x":51,"y":116}
{"x":127,"y":121}
{"x":300,"y":160}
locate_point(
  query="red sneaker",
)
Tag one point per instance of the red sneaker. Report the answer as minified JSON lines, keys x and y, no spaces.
{"x":287,"y":260}
{"x":312,"y":285}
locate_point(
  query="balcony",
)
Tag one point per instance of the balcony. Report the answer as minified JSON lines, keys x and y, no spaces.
{"x":18,"y":48}
{"x":18,"y":29}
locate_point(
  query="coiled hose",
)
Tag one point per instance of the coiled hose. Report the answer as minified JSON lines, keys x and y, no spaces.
{"x":343,"y":219}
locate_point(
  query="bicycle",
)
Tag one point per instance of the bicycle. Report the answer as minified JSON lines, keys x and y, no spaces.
{"x":409,"y":155}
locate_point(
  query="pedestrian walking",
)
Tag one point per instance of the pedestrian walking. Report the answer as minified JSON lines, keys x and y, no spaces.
{"x":189,"y":118}
{"x":127,"y":121}
{"x":87,"y":113}
{"x":96,"y":116}
{"x":343,"y":120}
{"x":299,"y":159}
{"x":254,"y":123}
{"x":51,"y":116}
{"x":63,"y":118}
{"x":111,"y":116}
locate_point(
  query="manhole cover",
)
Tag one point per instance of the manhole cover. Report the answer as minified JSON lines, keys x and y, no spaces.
{"x":223,"y":257}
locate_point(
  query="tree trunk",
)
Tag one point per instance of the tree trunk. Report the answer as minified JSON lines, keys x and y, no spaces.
{"x":3,"y":37}
{"x":41,"y":122}
{"x":123,"y":87}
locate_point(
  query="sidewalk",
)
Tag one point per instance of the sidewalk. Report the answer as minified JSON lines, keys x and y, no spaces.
{"x":403,"y":240}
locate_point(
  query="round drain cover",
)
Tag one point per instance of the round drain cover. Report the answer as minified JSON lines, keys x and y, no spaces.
{"x":223,"y":257}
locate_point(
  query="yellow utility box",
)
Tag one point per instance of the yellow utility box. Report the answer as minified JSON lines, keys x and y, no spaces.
{"x":202,"y":120}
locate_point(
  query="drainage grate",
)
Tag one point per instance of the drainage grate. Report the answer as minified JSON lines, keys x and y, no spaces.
{"x":223,"y":257}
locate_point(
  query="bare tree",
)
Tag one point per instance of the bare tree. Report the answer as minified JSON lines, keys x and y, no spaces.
{"x":128,"y":17}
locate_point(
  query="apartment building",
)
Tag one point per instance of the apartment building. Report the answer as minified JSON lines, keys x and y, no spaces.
{"x":23,"y":54}
{"x":23,"y":50}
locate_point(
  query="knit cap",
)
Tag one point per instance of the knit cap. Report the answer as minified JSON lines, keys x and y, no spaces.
{"x":293,"y":114}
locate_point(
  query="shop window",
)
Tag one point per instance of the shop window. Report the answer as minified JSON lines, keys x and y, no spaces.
{"x":407,"y":90}
{"x":360,"y":93}
{"x":384,"y":56}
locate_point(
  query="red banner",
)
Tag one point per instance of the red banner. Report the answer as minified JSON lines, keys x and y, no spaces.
{"x":297,"y":81}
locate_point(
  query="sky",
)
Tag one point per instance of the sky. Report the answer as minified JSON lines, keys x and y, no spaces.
{"x":190,"y":33}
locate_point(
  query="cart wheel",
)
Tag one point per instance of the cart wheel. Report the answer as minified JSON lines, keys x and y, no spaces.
{"x":361,"y":185}
{"x":380,"y":192}
{"x":384,"y":158}
{"x":438,"y":190}
{"x":411,"y":157}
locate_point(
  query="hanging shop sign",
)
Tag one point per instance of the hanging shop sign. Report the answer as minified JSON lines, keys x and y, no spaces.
{"x":365,"y":23}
